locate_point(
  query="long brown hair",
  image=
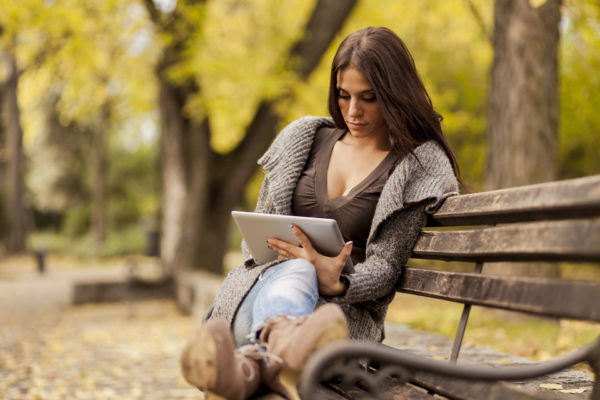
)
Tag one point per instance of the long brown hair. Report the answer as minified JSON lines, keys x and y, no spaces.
{"x":390,"y":69}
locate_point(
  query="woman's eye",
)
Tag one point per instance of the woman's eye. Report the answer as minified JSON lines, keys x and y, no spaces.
{"x":343,"y":96}
{"x":370,"y":99}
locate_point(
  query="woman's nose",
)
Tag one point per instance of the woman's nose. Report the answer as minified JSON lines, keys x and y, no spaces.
{"x":354,"y":109}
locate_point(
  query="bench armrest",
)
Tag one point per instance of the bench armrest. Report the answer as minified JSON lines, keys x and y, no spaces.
{"x":325,"y":366}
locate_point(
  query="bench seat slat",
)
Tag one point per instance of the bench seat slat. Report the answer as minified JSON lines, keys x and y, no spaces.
{"x":469,"y":390}
{"x":541,"y":296}
{"x":568,"y":240}
{"x":575,"y":198}
{"x":393,"y":390}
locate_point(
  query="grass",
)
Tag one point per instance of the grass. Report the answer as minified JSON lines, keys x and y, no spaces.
{"x":124,"y":242}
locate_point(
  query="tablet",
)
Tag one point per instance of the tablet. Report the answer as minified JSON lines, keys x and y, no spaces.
{"x":256,"y":228}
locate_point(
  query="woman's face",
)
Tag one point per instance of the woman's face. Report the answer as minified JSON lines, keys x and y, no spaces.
{"x":359,"y":105}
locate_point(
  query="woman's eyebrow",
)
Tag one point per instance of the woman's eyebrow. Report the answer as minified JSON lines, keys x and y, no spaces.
{"x":362,"y":92}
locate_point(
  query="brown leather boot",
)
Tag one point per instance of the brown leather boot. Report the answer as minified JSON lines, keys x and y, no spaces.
{"x":211,"y":362}
{"x":295,"y":339}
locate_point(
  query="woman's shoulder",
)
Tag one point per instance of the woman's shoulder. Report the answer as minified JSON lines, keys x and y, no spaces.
{"x":306,"y":125}
{"x":296,"y":136}
{"x":431,"y":158}
{"x":430,"y":148}
{"x":427,"y":172}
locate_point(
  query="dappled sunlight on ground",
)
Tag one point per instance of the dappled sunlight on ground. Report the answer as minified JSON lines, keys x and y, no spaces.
{"x":108,"y":351}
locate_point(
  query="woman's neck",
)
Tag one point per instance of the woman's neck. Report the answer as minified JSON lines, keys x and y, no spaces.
{"x":377,"y":143}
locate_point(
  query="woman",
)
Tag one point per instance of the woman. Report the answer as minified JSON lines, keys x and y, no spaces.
{"x":377,"y":167}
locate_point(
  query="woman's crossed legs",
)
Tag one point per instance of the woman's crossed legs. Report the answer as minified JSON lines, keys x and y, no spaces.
{"x":288,"y":288}
{"x":279,"y":320}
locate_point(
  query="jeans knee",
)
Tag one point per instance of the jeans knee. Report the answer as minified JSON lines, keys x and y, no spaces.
{"x":297,"y":275}
{"x":301,"y":266}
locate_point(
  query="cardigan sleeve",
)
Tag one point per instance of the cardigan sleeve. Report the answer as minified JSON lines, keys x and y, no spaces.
{"x":264,"y":204}
{"x":386,"y":254}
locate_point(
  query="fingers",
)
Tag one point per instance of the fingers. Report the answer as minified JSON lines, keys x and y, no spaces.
{"x":283,"y":248}
{"x":346,"y":251}
{"x":304,"y":240}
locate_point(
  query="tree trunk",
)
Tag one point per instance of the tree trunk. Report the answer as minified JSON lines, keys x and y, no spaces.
{"x":523,"y":113}
{"x":3,"y":216}
{"x":201,"y":187}
{"x":98,"y":164}
{"x":15,"y":186}
{"x":523,"y":108}
{"x":186,"y":159}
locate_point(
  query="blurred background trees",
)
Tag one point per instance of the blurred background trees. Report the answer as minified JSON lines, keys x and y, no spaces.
{"x":145,"y":115}
{"x":14,"y":188}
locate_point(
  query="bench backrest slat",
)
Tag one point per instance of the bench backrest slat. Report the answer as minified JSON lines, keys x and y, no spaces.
{"x":541,"y":296}
{"x":575,"y":198}
{"x":568,"y":240}
{"x":548,"y":222}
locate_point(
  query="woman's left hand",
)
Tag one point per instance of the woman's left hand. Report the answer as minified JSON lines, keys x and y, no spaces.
{"x":328,"y":269}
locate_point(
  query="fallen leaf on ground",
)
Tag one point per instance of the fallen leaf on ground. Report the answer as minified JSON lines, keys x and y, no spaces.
{"x":573,"y":391}
{"x":551,"y":386}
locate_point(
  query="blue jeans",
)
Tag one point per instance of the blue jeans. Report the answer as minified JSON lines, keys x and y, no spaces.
{"x":288,"y":288}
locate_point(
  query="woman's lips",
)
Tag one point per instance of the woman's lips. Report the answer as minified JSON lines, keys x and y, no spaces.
{"x":356,"y":125}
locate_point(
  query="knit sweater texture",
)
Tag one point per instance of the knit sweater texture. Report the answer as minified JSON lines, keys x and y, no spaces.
{"x":415,"y":188}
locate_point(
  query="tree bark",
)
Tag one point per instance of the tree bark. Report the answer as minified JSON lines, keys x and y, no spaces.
{"x":3,"y":216}
{"x":523,"y":112}
{"x":15,"y":183}
{"x":186,"y":156}
{"x":523,"y":107}
{"x":201,"y":187}
{"x":99,"y":166}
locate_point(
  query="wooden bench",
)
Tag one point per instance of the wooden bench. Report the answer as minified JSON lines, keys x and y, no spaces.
{"x":550,"y":222}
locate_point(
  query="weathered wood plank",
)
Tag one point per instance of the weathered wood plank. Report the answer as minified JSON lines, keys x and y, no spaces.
{"x":542,"y":296}
{"x":322,"y":393}
{"x":460,"y":389}
{"x":390,"y":389}
{"x":574,"y":198}
{"x":569,"y":240}
{"x":399,"y":391}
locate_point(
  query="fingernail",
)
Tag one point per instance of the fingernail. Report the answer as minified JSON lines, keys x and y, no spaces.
{"x":349,"y":243}
{"x":291,"y":226}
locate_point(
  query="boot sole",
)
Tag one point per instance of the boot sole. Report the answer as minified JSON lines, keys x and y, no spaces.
{"x":201,"y":358}
{"x":337,"y":330}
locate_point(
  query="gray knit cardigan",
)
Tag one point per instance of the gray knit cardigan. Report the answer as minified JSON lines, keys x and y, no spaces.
{"x":414,"y":189}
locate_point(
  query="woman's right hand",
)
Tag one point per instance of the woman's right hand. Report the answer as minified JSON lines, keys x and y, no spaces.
{"x":328,"y":269}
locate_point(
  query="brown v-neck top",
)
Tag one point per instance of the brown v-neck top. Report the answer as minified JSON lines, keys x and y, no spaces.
{"x":352,"y":211}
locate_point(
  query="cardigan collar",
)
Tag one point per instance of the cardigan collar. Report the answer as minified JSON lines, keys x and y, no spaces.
{"x":285,"y":159}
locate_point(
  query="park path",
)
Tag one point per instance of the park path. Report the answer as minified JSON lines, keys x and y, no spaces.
{"x":52,"y":350}
{"x":96,"y":351}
